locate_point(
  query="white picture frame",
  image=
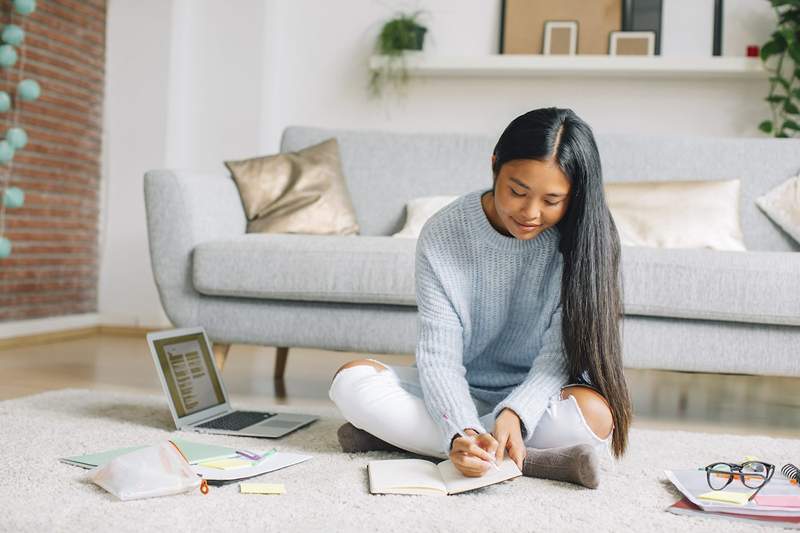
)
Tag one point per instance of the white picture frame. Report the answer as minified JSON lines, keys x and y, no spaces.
{"x":550,"y":25}
{"x":616,"y":36}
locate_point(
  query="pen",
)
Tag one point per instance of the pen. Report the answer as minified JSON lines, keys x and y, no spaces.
{"x":460,"y":432}
{"x":255,"y":456}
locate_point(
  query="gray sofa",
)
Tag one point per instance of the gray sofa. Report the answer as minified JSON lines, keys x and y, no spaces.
{"x":692,"y":310}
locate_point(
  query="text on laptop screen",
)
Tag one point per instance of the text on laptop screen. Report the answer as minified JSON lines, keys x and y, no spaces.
{"x":190,"y":373}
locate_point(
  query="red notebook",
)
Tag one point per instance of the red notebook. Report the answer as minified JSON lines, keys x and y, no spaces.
{"x":685,"y":507}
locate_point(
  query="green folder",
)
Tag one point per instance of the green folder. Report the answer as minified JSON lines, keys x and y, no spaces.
{"x":193,"y":451}
{"x":97,"y":459}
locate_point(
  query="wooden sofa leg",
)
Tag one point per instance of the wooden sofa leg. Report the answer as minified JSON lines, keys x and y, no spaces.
{"x":281,"y":354}
{"x":221,"y":354}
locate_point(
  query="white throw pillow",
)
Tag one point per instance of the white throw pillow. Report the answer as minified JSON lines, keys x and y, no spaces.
{"x":677,"y":214}
{"x":418,"y":211}
{"x":782,"y":205}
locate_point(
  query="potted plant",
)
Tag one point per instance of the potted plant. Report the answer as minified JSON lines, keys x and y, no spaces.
{"x":784,"y":89}
{"x":397,"y":36}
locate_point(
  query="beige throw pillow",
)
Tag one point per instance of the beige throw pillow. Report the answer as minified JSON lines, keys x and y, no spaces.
{"x":782,"y":205}
{"x":418,"y":211}
{"x":677,"y":214}
{"x":296,"y":192}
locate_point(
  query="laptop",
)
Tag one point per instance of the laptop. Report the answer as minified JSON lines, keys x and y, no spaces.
{"x":196,"y":393}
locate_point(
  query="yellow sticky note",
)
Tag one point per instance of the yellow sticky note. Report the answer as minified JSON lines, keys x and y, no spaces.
{"x":739,"y":498}
{"x":261,"y":488}
{"x":227,"y":464}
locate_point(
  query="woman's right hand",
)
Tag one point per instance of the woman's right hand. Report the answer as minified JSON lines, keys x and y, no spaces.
{"x":471,"y":456}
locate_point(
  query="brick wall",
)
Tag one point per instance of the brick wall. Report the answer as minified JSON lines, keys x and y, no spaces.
{"x":53,"y":269}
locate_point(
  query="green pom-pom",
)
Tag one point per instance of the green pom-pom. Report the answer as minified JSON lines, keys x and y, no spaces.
{"x":8,"y":55}
{"x":25,"y":7}
{"x":5,"y":247}
{"x":14,"y":197}
{"x":28,"y":90}
{"x":17,"y":138}
{"x":13,"y":34}
{"x":6,"y":152}
{"x":5,"y":101}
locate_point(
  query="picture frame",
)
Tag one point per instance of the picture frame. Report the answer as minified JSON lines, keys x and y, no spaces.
{"x":522,"y":23}
{"x":560,"y":37}
{"x":632,"y":43}
{"x":643,"y":15}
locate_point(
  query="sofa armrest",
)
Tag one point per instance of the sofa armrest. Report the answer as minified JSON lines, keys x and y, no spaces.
{"x":185,"y":208}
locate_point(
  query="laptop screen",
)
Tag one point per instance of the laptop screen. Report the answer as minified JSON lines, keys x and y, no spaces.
{"x":190,"y":373}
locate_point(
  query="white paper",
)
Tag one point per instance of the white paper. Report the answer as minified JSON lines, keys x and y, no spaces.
{"x":274,"y":462}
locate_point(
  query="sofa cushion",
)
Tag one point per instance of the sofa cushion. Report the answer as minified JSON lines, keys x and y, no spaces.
{"x":297,"y":192}
{"x":677,"y":214}
{"x":333,"y":268}
{"x":782,"y":205}
{"x":753,"y":287}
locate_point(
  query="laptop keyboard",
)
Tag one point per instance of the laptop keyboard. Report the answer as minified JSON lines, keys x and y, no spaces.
{"x":236,"y":420}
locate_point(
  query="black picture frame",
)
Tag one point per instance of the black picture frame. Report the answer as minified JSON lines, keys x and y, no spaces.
{"x":502,"y":25}
{"x":718,"y":15}
{"x":643,"y":15}
{"x":639,"y":15}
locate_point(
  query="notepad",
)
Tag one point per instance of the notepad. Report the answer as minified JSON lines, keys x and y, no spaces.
{"x":227,"y":464}
{"x":778,"y":501}
{"x":196,"y":452}
{"x":417,"y":476}
{"x":726,"y":496}
{"x":261,"y":488}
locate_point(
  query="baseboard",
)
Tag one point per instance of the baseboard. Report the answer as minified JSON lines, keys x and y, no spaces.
{"x":37,"y":326}
{"x":40,"y":331}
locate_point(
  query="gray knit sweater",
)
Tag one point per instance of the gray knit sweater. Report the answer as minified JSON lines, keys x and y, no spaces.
{"x":489,"y":320}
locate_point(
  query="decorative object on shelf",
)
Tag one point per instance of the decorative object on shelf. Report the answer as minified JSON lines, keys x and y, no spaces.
{"x":16,"y":138}
{"x":752,"y":50}
{"x":781,"y":57}
{"x":560,"y":37}
{"x":399,"y":35}
{"x":632,"y":43}
{"x":522,"y":23}
{"x":691,"y":28}
{"x":643,"y":15}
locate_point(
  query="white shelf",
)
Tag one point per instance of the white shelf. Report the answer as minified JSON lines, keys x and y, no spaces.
{"x":513,"y":65}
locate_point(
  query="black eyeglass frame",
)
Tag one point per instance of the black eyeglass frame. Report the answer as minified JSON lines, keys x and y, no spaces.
{"x":736,"y":471}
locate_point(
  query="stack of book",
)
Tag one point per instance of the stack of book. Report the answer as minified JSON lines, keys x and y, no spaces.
{"x":777,"y":503}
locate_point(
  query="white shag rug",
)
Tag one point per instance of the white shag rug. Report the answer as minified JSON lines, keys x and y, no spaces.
{"x":330,"y":491}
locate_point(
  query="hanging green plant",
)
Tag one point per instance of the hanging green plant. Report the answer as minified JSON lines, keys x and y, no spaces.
{"x":397,"y":36}
{"x":781,"y":57}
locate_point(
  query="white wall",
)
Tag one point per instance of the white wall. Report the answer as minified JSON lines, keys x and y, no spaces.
{"x":191,"y":83}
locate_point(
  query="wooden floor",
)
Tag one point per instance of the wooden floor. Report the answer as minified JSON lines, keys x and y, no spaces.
{"x":676,"y":400}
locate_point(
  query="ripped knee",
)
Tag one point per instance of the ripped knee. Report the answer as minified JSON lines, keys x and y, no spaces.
{"x":361,"y":362}
{"x":594,"y":408}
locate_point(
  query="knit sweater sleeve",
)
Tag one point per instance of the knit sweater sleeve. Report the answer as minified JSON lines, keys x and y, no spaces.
{"x":439,"y":353}
{"x":547,"y":375}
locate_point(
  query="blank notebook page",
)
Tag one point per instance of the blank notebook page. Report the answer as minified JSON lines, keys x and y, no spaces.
{"x":457,"y":482}
{"x":416,"y":476}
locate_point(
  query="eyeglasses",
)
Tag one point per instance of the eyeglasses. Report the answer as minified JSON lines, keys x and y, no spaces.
{"x":753,"y":474}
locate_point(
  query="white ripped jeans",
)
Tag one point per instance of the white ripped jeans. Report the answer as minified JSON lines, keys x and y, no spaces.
{"x":388,"y":404}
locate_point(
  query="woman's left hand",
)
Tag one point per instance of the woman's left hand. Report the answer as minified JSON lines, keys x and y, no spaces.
{"x":508,"y":433}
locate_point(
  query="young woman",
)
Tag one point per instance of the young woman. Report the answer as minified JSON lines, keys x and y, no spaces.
{"x":519,"y":301}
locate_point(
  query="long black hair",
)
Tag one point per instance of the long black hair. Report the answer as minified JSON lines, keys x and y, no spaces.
{"x":591,"y":288}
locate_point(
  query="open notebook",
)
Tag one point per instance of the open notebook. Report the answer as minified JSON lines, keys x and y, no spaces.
{"x":417,"y":476}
